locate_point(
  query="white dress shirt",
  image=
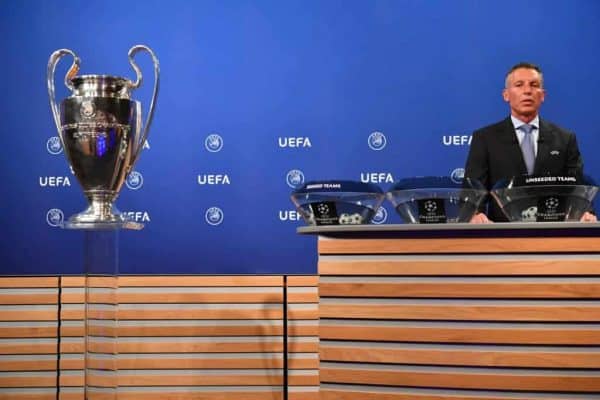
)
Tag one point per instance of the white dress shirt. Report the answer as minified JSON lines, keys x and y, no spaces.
{"x":535,"y":123}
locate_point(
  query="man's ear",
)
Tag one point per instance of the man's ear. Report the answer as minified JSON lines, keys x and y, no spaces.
{"x":505,"y":95}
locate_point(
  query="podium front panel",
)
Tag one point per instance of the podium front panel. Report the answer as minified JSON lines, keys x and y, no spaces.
{"x":492,"y":315}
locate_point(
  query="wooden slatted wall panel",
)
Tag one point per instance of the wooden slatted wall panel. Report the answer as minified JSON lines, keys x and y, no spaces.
{"x":193,"y":337}
{"x":303,"y":337}
{"x":28,"y":343}
{"x":442,"y":324}
{"x":183,"y":338}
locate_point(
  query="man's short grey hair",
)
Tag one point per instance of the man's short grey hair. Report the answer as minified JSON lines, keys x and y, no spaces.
{"x":526,"y":65}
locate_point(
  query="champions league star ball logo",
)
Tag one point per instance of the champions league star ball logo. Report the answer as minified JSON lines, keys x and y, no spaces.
{"x":377,"y":141}
{"x":552,"y":203}
{"x":458,"y":175}
{"x":430,"y":206}
{"x":213,"y":143}
{"x":55,"y":217}
{"x":214,"y":216}
{"x":380,"y":216}
{"x":323,"y":209}
{"x":54,"y":146}
{"x":135,"y":180}
{"x":294,"y":178}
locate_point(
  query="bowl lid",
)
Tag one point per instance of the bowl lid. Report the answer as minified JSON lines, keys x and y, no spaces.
{"x":337,"y":186}
{"x":436,"y":182}
{"x":541,"y":180}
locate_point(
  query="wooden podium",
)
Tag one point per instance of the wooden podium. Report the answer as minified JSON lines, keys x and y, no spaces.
{"x":453,"y":312}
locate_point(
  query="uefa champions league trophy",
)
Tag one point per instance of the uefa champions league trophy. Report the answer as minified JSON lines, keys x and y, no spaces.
{"x":100,"y":127}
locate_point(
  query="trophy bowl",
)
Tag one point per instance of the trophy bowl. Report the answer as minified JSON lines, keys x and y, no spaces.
{"x":544,"y":198}
{"x":427,"y":200}
{"x":100,"y":128}
{"x":337,"y":202}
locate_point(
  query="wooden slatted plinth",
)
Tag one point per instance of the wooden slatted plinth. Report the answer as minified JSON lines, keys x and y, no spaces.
{"x":453,"y":318}
{"x":184,"y":338}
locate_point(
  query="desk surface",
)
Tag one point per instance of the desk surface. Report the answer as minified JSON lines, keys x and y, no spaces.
{"x":514,"y":229}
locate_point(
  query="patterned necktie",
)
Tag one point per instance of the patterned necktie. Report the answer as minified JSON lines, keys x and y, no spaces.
{"x":527,"y":147}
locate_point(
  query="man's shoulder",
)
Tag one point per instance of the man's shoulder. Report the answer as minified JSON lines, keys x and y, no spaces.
{"x":495,"y":127}
{"x":552,"y":127}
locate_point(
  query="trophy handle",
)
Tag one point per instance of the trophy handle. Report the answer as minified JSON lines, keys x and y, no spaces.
{"x":135,"y":85}
{"x":52,"y":62}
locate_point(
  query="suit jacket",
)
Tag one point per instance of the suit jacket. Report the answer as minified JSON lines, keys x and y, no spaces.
{"x":495,"y":154}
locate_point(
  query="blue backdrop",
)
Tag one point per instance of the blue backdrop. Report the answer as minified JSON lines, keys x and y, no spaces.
{"x":258,"y":95}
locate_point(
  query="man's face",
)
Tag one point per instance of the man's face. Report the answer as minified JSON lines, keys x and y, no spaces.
{"x":524,"y":93}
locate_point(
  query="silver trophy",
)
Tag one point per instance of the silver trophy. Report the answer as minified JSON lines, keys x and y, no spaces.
{"x":100,"y":127}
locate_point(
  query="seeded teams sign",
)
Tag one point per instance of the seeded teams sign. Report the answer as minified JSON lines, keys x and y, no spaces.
{"x":259,"y":97}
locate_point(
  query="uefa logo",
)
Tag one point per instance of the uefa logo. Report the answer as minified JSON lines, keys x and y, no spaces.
{"x":214,"y":216}
{"x":213,"y":143}
{"x":377,"y":141}
{"x":54,"y":146}
{"x":457,"y":175}
{"x":380,"y":216}
{"x":55,"y":217}
{"x":135,"y":180}
{"x":294,"y":178}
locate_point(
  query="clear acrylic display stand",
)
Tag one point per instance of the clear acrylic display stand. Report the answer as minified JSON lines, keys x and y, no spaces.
{"x":101,"y":262}
{"x":101,"y":268}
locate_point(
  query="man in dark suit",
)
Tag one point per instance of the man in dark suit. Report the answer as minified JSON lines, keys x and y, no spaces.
{"x":498,"y":151}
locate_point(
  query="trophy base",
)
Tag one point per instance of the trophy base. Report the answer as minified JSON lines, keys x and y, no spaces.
{"x":104,"y":217}
{"x":103,"y":226}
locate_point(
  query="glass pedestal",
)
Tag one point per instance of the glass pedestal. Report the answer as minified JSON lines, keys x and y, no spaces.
{"x":101,"y":262}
